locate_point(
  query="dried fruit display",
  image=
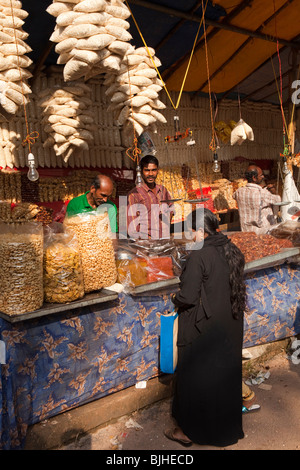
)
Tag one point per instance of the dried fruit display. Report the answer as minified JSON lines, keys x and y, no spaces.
{"x":65,"y":188}
{"x":159,"y":268}
{"x":258,"y":246}
{"x":10,"y":185}
{"x":173,"y":181}
{"x":5,"y":211}
{"x":222,"y":195}
{"x":25,"y":212}
{"x":44,"y":215}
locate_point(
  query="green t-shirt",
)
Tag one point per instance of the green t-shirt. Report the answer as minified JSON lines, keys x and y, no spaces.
{"x":80,"y":204}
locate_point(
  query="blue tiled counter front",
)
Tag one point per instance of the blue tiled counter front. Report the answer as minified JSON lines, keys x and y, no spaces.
{"x":273,"y":311}
{"x":56,"y":363}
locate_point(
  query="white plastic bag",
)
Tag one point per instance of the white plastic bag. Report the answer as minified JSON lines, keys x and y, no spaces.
{"x":290,"y":194}
{"x":240,"y":133}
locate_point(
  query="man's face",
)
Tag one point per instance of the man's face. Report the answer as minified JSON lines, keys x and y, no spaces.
{"x":149,"y":173}
{"x":101,"y":194}
{"x":260,"y":176}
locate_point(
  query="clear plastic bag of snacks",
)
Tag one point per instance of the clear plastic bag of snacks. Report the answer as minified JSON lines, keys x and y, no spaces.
{"x":63,"y":278}
{"x":21,"y":267}
{"x":97,"y":255}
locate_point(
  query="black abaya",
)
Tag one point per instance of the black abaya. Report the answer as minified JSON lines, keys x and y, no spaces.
{"x":207,"y":403}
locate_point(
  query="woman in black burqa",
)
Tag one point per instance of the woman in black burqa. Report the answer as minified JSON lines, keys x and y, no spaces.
{"x":207,"y":404}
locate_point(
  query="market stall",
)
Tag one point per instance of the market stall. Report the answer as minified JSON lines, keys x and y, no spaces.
{"x":63,"y":355}
{"x":79,"y":315}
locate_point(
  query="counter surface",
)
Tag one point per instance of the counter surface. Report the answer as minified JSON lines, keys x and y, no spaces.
{"x":98,"y":297}
{"x":105,"y":295}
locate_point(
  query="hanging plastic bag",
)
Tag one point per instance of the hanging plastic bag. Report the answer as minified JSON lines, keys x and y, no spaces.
{"x":240,"y":133}
{"x":290,"y":194}
{"x":146,"y":144}
{"x":249,"y":131}
{"x":21,"y":267}
{"x":289,"y":230}
{"x":63,"y":278}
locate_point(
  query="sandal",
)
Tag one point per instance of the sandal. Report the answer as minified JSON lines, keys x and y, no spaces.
{"x":251,"y":409}
{"x":170,"y":435}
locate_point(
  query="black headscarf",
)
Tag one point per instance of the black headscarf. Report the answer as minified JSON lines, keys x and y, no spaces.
{"x":218,"y":239}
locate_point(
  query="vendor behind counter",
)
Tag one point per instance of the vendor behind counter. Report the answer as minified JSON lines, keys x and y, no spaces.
{"x":256,"y":202}
{"x":100,"y":192}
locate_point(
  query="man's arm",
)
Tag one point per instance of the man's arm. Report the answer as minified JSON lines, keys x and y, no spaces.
{"x":269,"y":198}
{"x":113,"y":219}
{"x":171,"y":209}
{"x":132,"y":215}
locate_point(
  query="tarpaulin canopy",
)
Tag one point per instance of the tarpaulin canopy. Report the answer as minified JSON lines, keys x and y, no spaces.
{"x":248,"y":48}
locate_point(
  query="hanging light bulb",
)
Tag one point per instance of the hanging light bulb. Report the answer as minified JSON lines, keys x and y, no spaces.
{"x":216,"y":166}
{"x":138,"y":179}
{"x":32,"y":173}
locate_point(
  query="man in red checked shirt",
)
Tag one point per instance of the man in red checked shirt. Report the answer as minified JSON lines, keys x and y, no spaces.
{"x":149,"y":212}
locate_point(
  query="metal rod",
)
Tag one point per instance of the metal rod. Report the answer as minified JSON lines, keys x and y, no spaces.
{"x":215,"y":24}
{"x":210,"y":35}
{"x":256,"y":70}
{"x":245,"y":43}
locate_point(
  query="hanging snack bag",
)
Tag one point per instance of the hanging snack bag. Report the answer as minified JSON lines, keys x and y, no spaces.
{"x":21,"y":267}
{"x":63,"y":278}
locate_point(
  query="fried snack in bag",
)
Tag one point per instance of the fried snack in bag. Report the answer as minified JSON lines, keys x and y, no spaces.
{"x":21,"y":267}
{"x":97,"y":255}
{"x":63,"y":278}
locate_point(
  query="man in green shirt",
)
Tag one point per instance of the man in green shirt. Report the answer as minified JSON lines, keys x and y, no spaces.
{"x":101,"y":189}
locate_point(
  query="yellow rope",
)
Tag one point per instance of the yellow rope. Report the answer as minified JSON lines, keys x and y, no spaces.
{"x":30,"y":137}
{"x":150,"y":55}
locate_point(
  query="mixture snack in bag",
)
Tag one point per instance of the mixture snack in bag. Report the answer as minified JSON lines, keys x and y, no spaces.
{"x":94,"y":238}
{"x":21,"y":267}
{"x":63,"y":278}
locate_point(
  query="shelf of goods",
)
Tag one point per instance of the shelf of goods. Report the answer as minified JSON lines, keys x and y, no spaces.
{"x":152,"y":286}
{"x":100,"y":297}
{"x":264,"y":251}
{"x":55,"y":265}
{"x":285,"y":255}
{"x":187,"y":182}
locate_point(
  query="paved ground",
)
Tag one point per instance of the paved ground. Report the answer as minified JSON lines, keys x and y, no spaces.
{"x":275,"y":427}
